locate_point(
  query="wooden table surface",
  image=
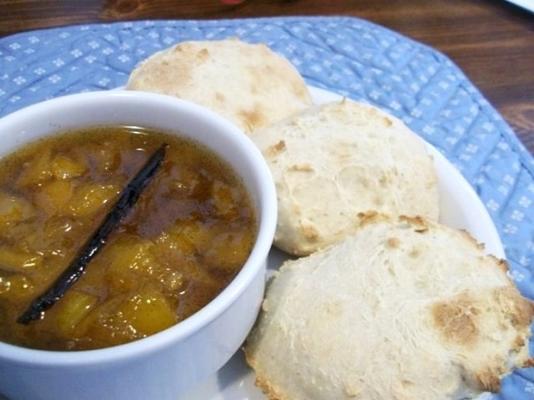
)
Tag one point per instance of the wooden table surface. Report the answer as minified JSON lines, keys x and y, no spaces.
{"x":491,"y":40}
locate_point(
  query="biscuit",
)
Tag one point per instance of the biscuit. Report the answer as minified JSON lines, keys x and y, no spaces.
{"x":249,"y":84}
{"x":403,"y":309}
{"x":333,"y":162}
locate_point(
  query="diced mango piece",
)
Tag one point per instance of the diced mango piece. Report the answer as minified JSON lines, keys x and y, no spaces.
{"x":129,"y":261}
{"x":16,"y":287}
{"x":224,"y":200}
{"x":14,"y":209}
{"x":5,"y":284}
{"x":187,"y":182}
{"x":90,"y":197}
{"x":56,"y":238}
{"x":55,"y":195}
{"x":72,"y":309}
{"x":195,"y":233}
{"x":12,"y":233}
{"x":148,"y":312}
{"x":37,"y":170}
{"x":185,"y":240}
{"x":229,"y":251}
{"x":103,"y":324}
{"x":64,"y":167}
{"x":15,"y":260}
{"x":105,"y":157}
{"x":174,"y":242}
{"x":171,"y":281}
{"x":124,"y":318}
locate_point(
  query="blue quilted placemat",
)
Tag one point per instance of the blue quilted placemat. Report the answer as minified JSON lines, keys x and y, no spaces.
{"x":346,"y":55}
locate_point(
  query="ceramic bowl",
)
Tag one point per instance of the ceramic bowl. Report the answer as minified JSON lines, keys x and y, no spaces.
{"x":163,"y":365}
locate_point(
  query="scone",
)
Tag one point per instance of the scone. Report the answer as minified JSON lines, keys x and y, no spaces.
{"x":336,"y":161}
{"x":405,"y":309}
{"x":248,"y":84}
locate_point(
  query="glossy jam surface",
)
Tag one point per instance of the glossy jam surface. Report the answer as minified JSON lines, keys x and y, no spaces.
{"x":188,"y":235}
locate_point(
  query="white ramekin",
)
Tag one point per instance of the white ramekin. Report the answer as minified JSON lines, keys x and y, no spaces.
{"x":163,"y":365}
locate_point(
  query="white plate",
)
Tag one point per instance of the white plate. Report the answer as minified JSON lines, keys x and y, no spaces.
{"x":526,"y":4}
{"x":460,"y":207}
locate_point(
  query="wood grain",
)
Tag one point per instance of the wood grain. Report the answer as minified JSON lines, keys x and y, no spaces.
{"x":491,"y":40}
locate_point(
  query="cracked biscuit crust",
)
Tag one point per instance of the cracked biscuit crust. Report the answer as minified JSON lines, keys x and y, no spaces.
{"x":335,"y":162}
{"x":249,"y":84}
{"x":403,"y":309}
